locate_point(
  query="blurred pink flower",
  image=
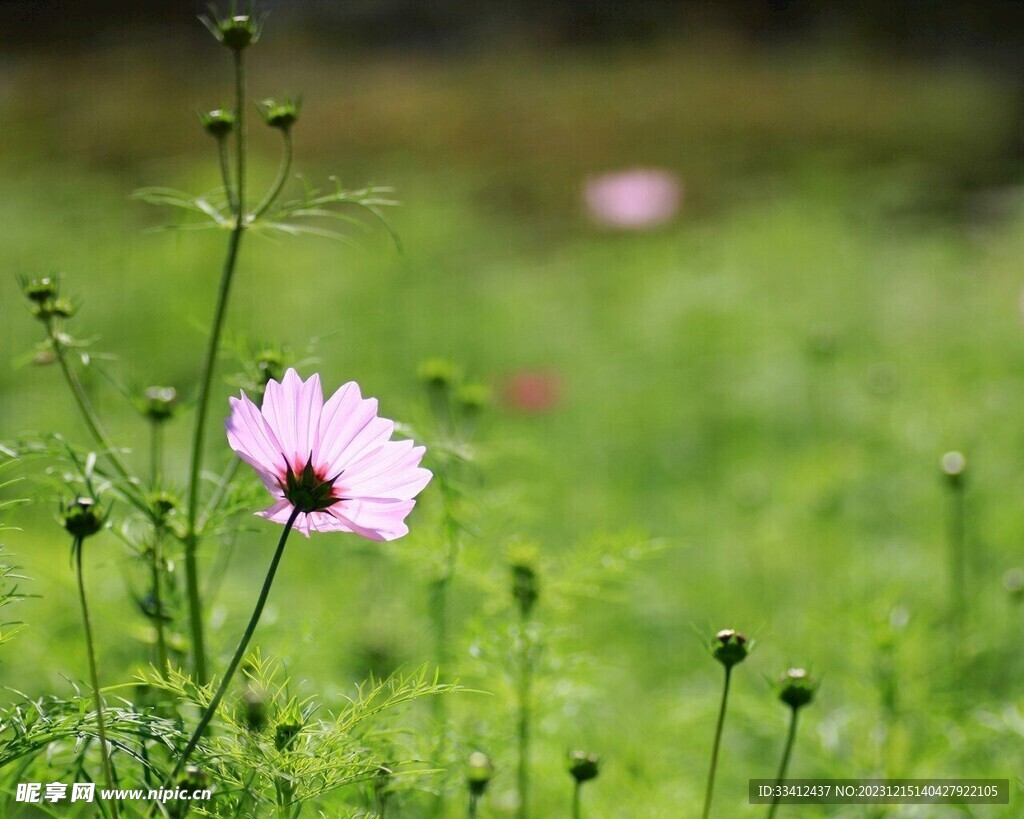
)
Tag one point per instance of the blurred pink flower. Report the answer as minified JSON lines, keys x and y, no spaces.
{"x":634,"y":199}
{"x":532,"y":392}
{"x":333,"y":462}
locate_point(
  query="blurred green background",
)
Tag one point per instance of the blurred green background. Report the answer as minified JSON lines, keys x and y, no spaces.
{"x":763,"y":387}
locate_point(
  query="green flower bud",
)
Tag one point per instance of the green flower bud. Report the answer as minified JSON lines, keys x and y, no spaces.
{"x":286,"y":732}
{"x":730,"y":647}
{"x":584,"y":766}
{"x":796,"y":688}
{"x":473,"y":398}
{"x":439,"y":374}
{"x":479,"y":772}
{"x":525,"y":586}
{"x":162,"y":503}
{"x":61,"y":308}
{"x":160,"y":403}
{"x":41,"y":290}
{"x":270,"y":365}
{"x":954,"y":467}
{"x":236,"y":31}
{"x":218,"y":123}
{"x":82,"y":518}
{"x":281,"y":114}
{"x":254,"y":710}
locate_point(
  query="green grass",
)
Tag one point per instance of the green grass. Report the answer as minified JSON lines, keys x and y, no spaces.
{"x":764,"y":389}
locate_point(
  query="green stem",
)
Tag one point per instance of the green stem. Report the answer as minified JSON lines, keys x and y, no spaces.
{"x":90,"y":648}
{"x":957,"y":536}
{"x":261,"y":601}
{"x":784,"y":765}
{"x":576,"y":801}
{"x":441,"y":652}
{"x":714,"y":748}
{"x":156,"y":569}
{"x":282,"y":177}
{"x":225,"y":174}
{"x":473,"y":800}
{"x":156,"y":452}
{"x":92,"y":421}
{"x":525,"y":685}
{"x":195,"y":609}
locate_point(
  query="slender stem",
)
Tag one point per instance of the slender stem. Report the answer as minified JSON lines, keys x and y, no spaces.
{"x":157,"y":569}
{"x":90,"y":648}
{"x":718,"y":739}
{"x":785,"y":759}
{"x":957,"y":532}
{"x":156,"y":452}
{"x":441,"y":652}
{"x":92,"y":421}
{"x":576,"y":800}
{"x":525,"y":685}
{"x":474,"y":800}
{"x":225,"y":174}
{"x":218,"y":494}
{"x":282,"y":176}
{"x":195,"y":609}
{"x":261,"y":601}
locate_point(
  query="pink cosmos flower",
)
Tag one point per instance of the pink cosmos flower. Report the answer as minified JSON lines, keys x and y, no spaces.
{"x":335,"y":463}
{"x":633,"y":199}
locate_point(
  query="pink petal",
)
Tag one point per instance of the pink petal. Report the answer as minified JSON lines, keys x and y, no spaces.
{"x":349,"y":424}
{"x":251,"y":437}
{"x":377,"y":519}
{"x":390,"y":471}
{"x":292,"y":409}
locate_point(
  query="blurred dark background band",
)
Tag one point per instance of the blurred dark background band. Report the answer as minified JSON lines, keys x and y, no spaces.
{"x":988,"y":31}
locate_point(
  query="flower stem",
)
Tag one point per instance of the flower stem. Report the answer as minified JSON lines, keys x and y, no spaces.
{"x":525,"y":685}
{"x":261,"y":601}
{"x":714,"y":748}
{"x":785,"y":758}
{"x":156,"y":452}
{"x":576,"y":800}
{"x":225,"y":173}
{"x":473,"y":800}
{"x":157,"y":570}
{"x":441,"y":651}
{"x":195,"y":608}
{"x":90,"y":648}
{"x":282,"y":177}
{"x":92,"y":421}
{"x":957,"y":538}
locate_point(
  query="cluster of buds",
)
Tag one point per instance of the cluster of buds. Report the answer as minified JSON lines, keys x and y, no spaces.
{"x":797,"y":688}
{"x":730,"y":647}
{"x":47,"y":303}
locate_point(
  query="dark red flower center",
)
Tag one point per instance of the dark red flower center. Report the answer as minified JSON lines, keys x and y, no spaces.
{"x":309,"y":490}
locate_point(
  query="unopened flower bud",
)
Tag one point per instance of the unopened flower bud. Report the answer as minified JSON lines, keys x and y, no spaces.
{"x":237,"y":31}
{"x":82,"y":518}
{"x":162,"y":503}
{"x":195,"y":778}
{"x":954,"y":466}
{"x":254,"y":710}
{"x":525,"y":586}
{"x":730,"y":647}
{"x":41,"y":290}
{"x":270,"y":364}
{"x":61,"y":308}
{"x":584,"y":766}
{"x":479,"y":772}
{"x":285,"y":734}
{"x":160,"y":403}
{"x":281,"y":114}
{"x":473,"y":398}
{"x":217,"y":123}
{"x":796,"y":688}
{"x":439,"y":374}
